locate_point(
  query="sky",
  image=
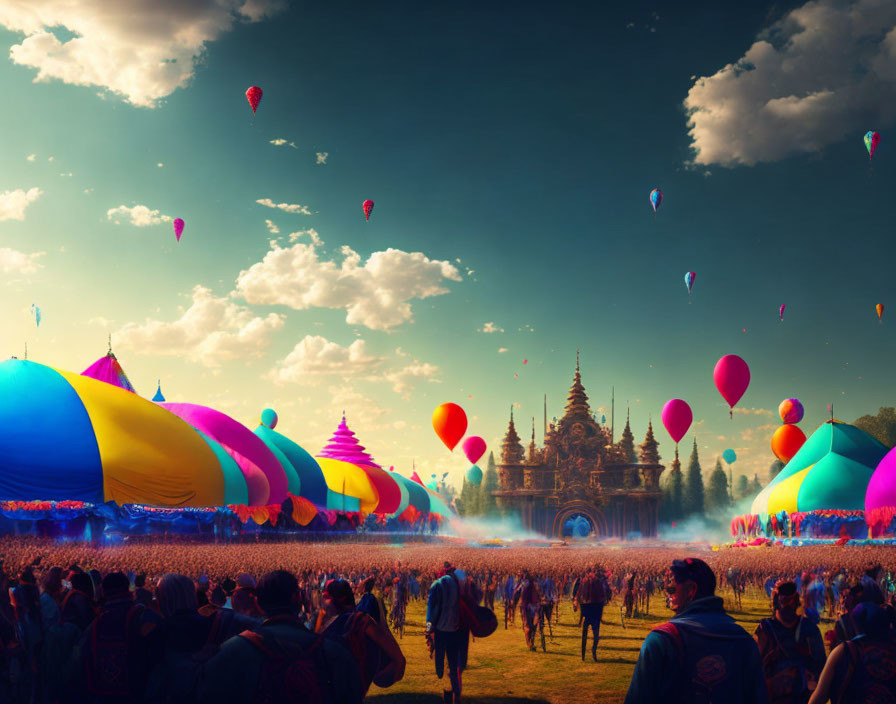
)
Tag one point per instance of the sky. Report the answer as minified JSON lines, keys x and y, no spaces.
{"x":510,"y":150}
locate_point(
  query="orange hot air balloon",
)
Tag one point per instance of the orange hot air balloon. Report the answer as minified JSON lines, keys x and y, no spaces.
{"x":787,"y":441}
{"x":880,"y":311}
{"x":450,"y":423}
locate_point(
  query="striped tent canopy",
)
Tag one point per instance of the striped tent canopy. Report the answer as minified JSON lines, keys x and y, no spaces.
{"x":830,"y":471}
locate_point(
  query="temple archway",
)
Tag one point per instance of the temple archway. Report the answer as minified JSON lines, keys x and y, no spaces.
{"x":574,"y":509}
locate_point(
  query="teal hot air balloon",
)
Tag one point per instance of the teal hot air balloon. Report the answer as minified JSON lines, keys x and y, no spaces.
{"x":656,"y":199}
{"x":689,"y":279}
{"x":872,"y":139}
{"x":729,"y":456}
{"x":474,"y":475}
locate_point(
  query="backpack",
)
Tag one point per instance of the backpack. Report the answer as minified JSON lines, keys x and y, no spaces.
{"x":183,"y":672}
{"x":108,"y":661}
{"x":290,"y":674}
{"x":592,"y":591}
{"x":870,"y":674}
{"x":784,"y":667}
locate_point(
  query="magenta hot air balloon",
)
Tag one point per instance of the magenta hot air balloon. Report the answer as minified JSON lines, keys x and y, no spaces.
{"x":732,"y":377}
{"x":367,"y":207}
{"x":677,"y":417}
{"x":781,"y":311}
{"x":178,"y":228}
{"x":474,"y":448}
{"x":253,"y":95}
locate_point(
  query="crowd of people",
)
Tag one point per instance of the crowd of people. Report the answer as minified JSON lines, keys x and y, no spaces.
{"x":322,"y":623}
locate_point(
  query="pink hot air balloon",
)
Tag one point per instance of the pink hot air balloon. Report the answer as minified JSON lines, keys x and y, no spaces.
{"x":781,"y":311}
{"x":677,"y":417}
{"x":474,"y":448}
{"x":732,"y":377}
{"x":253,"y":95}
{"x":367,"y":207}
{"x":178,"y":228}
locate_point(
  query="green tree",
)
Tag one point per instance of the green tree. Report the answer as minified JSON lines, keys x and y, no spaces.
{"x":776,"y":467}
{"x":463,"y":503}
{"x":486,"y":505}
{"x":881,"y":426}
{"x":717,"y":492}
{"x":673,"y":486}
{"x":692,"y":500}
{"x":743,"y":486}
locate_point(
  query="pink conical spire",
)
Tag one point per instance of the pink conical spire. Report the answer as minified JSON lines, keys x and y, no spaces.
{"x":344,"y":446}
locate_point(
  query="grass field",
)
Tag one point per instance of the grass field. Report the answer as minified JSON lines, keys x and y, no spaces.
{"x":502,"y":671}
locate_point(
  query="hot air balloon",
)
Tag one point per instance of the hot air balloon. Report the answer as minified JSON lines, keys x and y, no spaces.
{"x":178,"y":228}
{"x":474,"y":475}
{"x":730,"y":456}
{"x":781,"y":311}
{"x":450,"y":423}
{"x":880,"y":311}
{"x":656,"y":199}
{"x":269,"y":418}
{"x":367,"y":207}
{"x":791,"y":410}
{"x":253,"y":95}
{"x":689,"y":279}
{"x":787,"y":441}
{"x":474,"y":448}
{"x":732,"y":377}
{"x":35,"y":311}
{"x":677,"y":417}
{"x":872,"y":139}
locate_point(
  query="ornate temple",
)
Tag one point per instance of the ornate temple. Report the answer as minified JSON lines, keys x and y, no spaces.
{"x":581,"y":474}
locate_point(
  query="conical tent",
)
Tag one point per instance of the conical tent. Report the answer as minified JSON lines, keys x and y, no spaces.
{"x":831,"y":471}
{"x":108,"y":369}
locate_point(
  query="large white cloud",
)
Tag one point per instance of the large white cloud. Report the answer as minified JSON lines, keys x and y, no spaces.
{"x":210,"y":331}
{"x":293,"y":208}
{"x":375,"y":294}
{"x":316,"y":356}
{"x":14,"y":203}
{"x":142,"y":50}
{"x":139,"y":215}
{"x":825,"y":71}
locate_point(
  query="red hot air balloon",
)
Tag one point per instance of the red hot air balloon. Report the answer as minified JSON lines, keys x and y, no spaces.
{"x":178,"y":228}
{"x":450,"y":423}
{"x":474,"y":448}
{"x":367,"y":207}
{"x":677,"y":417}
{"x":253,"y":95}
{"x":732,"y":377}
{"x":787,"y":441}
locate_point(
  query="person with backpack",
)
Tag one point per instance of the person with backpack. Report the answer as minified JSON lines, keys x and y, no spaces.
{"x":379,"y":657}
{"x":280,"y":661}
{"x":701,"y":655}
{"x":791,"y":648}
{"x":591,"y":597}
{"x":528,"y":597}
{"x":446,"y":637}
{"x":863,"y":669}
{"x":119,"y":648}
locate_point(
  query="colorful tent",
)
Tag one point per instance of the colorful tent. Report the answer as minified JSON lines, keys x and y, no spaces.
{"x":264,"y":475}
{"x":158,"y":397}
{"x":345,"y":479}
{"x":830,"y":471}
{"x":71,"y":437}
{"x":108,"y":369}
{"x":311,"y":483}
{"x":881,"y":493}
{"x":344,"y":446}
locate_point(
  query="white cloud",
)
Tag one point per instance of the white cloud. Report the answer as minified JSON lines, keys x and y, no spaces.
{"x":824,"y":71}
{"x":403,"y":380}
{"x":310,"y":232}
{"x":321,"y":157}
{"x":142,"y":50}
{"x":316,"y":356}
{"x":52,"y":158}
{"x":88,"y":190}
{"x":272,"y":228}
{"x":139,"y":215}
{"x":279,"y":142}
{"x":31,"y":157}
{"x":160,"y":165}
{"x":375,"y":294}
{"x":14,"y":203}
{"x":15,"y":262}
{"x":285,"y":207}
{"x":213,"y":329}
{"x":502,"y":350}
{"x":490,"y":327}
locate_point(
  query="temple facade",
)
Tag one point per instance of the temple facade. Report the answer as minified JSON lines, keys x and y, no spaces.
{"x":580,"y":473}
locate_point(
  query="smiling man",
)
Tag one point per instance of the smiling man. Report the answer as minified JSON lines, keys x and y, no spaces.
{"x":701,"y":655}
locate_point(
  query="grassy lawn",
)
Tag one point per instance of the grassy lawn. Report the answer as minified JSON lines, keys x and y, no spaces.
{"x":502,"y":671}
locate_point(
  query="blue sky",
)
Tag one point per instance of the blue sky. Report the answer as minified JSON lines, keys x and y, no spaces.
{"x":510,"y":153}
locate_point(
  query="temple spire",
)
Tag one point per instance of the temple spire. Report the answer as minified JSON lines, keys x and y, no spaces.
{"x":511,"y":448}
{"x":577,"y":400}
